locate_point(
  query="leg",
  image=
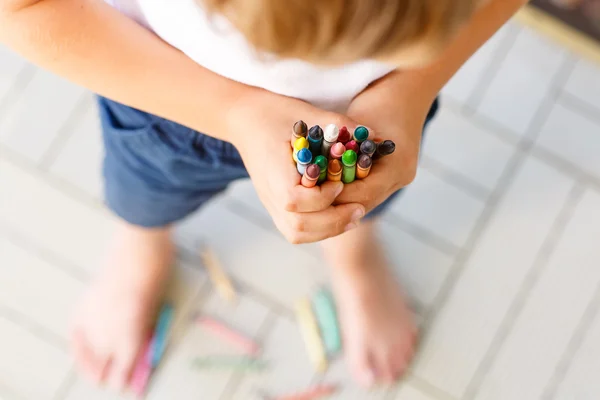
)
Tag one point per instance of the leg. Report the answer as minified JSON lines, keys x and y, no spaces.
{"x":156,"y":172}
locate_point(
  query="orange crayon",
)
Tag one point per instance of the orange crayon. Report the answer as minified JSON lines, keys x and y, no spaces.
{"x":311,"y":176}
{"x":334,"y":171}
{"x":363,"y":166}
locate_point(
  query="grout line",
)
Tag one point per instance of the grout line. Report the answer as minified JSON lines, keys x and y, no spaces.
{"x":20,"y":82}
{"x":427,"y":388}
{"x":490,"y":72}
{"x":65,"y":132}
{"x":591,"y":313}
{"x":456,"y":179}
{"x":33,"y":327}
{"x":527,"y":285}
{"x":20,"y":240}
{"x":66,"y":386}
{"x":581,"y":107}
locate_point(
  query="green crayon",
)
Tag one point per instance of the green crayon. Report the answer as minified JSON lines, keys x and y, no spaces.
{"x":321,"y":161}
{"x":349,"y":162}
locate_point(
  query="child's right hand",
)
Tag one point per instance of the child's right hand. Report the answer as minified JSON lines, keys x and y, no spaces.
{"x":261,"y":126}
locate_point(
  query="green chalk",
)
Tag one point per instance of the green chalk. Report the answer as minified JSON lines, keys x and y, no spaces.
{"x":326,"y":314}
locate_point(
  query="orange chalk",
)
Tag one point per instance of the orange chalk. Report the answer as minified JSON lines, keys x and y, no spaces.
{"x":314,"y":393}
{"x":220,"y":329}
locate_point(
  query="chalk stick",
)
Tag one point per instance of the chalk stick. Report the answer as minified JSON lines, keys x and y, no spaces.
{"x":235,"y":338}
{"x":142,"y":372}
{"x":310,"y":332}
{"x":161,"y":333}
{"x":326,"y":314}
{"x":217,"y":275}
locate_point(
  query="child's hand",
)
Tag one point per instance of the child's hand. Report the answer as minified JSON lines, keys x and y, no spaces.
{"x":263,"y":125}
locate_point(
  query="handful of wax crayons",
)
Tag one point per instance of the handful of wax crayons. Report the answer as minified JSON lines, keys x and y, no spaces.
{"x":334,"y":154}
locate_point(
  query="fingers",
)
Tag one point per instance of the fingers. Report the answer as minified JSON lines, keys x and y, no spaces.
{"x":123,"y":366}
{"x":313,"y":227}
{"x":301,"y":199}
{"x":95,"y":368}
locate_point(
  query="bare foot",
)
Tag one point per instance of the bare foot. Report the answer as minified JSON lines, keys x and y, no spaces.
{"x":113,"y":319}
{"x":377,"y":326}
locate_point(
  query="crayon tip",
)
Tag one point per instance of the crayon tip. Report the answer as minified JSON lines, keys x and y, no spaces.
{"x":337,"y":150}
{"x":344,"y":135}
{"x":313,"y":171}
{"x":300,"y":128}
{"x":301,"y":143}
{"x":349,"y":157}
{"x":364,"y":161}
{"x":352,"y":145}
{"x":304,"y":156}
{"x":331,"y":133}
{"x":335,"y":166}
{"x":315,"y":133}
{"x":361,"y":133}
{"x":321,"y":161}
{"x":368,"y":147}
{"x":386,"y":147}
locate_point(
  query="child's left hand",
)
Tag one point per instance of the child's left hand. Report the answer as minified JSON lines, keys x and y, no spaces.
{"x":392,"y":114}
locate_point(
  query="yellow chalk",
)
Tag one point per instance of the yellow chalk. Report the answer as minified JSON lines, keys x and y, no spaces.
{"x":218,"y":276}
{"x":310,"y":332}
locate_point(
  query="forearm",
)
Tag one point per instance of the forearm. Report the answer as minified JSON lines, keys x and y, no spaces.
{"x":95,"y":46}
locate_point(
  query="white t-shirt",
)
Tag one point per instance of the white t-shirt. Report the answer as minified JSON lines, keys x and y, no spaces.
{"x":217,"y":46}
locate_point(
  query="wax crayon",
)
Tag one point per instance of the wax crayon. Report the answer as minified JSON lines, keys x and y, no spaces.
{"x":337,"y":151}
{"x":360,"y":134}
{"x":352,"y":145}
{"x":326,"y":314}
{"x":330,"y":137}
{"x":321,"y":161}
{"x":311,"y":176}
{"x":299,"y":130}
{"x":363,"y":166}
{"x":384,"y":148}
{"x":304,"y":157}
{"x":349,"y":170}
{"x":299,"y":144}
{"x":310,"y":332}
{"x":233,"y":337}
{"x":217,"y":275}
{"x":315,"y":138}
{"x":334,"y":171}
{"x":344,"y":135}
{"x":368,"y":147}
{"x":235,"y":363}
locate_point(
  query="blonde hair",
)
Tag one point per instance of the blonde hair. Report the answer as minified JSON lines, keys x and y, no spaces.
{"x":343,"y":30}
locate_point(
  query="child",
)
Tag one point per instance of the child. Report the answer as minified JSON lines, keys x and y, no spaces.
{"x":243,"y":72}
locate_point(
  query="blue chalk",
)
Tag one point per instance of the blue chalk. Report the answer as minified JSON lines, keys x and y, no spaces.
{"x":159,"y":341}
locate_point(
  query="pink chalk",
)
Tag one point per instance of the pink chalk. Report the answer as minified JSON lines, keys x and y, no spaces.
{"x":142,"y":372}
{"x":220,"y":329}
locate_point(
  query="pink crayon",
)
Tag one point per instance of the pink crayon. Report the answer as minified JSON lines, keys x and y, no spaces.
{"x":223,"y":331}
{"x":337,"y":150}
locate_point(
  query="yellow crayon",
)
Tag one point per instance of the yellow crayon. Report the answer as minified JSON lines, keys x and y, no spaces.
{"x":299,"y":144}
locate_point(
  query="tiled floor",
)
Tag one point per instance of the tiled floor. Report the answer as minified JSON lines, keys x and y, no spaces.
{"x":497,"y":242}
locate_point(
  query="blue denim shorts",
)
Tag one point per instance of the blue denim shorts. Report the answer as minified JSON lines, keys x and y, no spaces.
{"x":157,"y":172}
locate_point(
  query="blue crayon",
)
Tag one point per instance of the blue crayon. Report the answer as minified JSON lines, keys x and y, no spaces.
{"x":304,"y":157}
{"x":315,"y":139}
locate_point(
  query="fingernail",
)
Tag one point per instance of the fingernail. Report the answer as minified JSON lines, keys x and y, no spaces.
{"x":350,"y":226}
{"x":339,"y":189}
{"x":358,"y":214}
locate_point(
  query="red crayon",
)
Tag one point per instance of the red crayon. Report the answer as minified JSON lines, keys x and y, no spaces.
{"x":352,"y":145}
{"x":344,"y":135}
{"x":311,"y":176}
{"x":337,"y":151}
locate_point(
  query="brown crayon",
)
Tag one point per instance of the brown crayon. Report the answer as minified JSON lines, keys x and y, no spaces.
{"x":363,"y":166}
{"x":299,"y":130}
{"x":334,"y":170}
{"x":311,"y":176}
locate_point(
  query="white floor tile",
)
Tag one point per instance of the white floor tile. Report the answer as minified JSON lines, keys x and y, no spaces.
{"x":466,"y":325}
{"x":573,"y":137}
{"x":33,"y":120}
{"x":338,"y":374}
{"x":467,"y":149}
{"x":409,"y":392}
{"x":555,"y":305}
{"x":10,"y":66}
{"x":291,"y":370}
{"x":36,"y":288}
{"x":581,"y":380}
{"x":525,"y":78}
{"x":584,"y":83}
{"x":55,"y":221}
{"x":420,"y":268}
{"x":32,"y":369}
{"x":468,"y":79}
{"x":439,"y":207}
{"x":80,"y":160}
{"x":261,"y":258}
